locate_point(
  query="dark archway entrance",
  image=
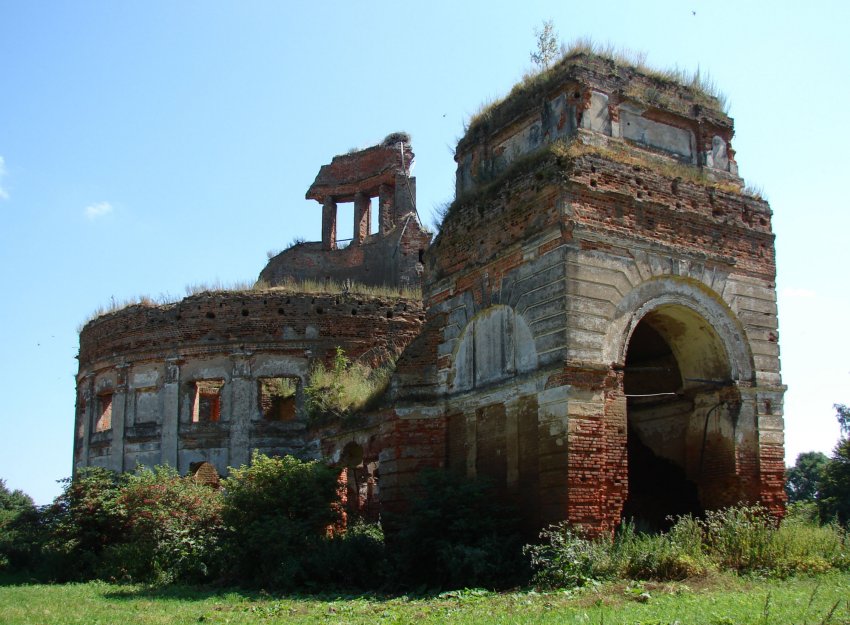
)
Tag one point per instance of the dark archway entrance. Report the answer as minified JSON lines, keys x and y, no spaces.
{"x":677,"y":382}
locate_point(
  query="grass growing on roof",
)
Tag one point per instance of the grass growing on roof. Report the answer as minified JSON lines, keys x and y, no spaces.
{"x":701,"y":86}
{"x":309,"y":287}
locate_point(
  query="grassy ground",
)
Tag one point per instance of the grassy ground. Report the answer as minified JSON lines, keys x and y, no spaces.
{"x":718,"y":600}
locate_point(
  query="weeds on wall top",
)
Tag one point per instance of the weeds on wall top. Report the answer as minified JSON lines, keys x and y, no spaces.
{"x":549,"y":65}
{"x":308,"y":287}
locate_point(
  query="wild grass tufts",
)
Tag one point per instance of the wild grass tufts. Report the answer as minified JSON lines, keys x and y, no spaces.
{"x":311,"y":287}
{"x":333,"y":287}
{"x":698,"y":81}
{"x":702,"y":87}
{"x":742,"y":539}
{"x":345,"y":387}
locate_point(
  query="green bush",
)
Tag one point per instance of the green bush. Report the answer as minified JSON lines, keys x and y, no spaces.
{"x":172,"y":527}
{"x":674,"y":555}
{"x":456,"y":534}
{"x":740,"y":537}
{"x":745,"y":539}
{"x":80,"y":524}
{"x":353,"y":559}
{"x":566,"y":559}
{"x":19,"y":529}
{"x":277,"y":512}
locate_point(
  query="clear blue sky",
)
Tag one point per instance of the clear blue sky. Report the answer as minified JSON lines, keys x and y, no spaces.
{"x":147,"y":145}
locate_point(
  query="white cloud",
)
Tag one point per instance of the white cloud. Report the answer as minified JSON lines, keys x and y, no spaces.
{"x":798,"y":293}
{"x":99,"y":209}
{"x":4,"y":195}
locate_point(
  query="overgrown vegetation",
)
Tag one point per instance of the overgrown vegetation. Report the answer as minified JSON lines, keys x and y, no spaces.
{"x":345,"y":387}
{"x":151,"y":525}
{"x":277,"y":524}
{"x":457,"y":534}
{"x":18,"y":519}
{"x":276,"y":512}
{"x":534,"y":84}
{"x":741,"y":539}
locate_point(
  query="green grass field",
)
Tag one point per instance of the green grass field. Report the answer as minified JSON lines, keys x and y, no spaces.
{"x":718,"y":600}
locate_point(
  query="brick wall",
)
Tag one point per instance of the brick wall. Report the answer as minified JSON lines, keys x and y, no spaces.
{"x":271,"y":319}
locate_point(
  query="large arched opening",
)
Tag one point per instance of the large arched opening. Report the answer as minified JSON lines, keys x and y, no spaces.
{"x":682,"y":406}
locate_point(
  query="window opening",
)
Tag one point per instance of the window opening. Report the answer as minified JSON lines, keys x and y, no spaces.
{"x":277,"y":398}
{"x":207,"y":405}
{"x":104,"y":413}
{"x":374,"y":215}
{"x":344,"y":224}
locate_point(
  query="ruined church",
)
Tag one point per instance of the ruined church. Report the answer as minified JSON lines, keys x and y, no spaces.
{"x":597,"y":331}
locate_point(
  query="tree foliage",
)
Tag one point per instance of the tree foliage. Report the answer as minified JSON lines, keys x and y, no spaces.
{"x":171,"y":527}
{"x":547,"y":45}
{"x":18,"y":519}
{"x":842,"y":413}
{"x":81,"y":523}
{"x":802,"y":480}
{"x":834,"y":491}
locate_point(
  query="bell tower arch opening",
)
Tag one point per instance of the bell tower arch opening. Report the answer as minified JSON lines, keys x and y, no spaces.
{"x":681,"y":405}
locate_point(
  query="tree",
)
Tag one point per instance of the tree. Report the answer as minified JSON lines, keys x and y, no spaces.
{"x":547,"y":45}
{"x":802,"y":480}
{"x":842,"y":413}
{"x":834,"y":491}
{"x":18,"y":525}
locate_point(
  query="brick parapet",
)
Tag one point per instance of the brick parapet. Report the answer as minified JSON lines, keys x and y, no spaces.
{"x":275,"y":320}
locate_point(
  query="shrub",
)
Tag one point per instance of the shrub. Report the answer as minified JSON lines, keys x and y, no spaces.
{"x":740,"y":537}
{"x":277,"y":512}
{"x":80,"y":524}
{"x":354,"y":559}
{"x":674,"y":555}
{"x":457,"y":534}
{"x":172,"y":529}
{"x":566,"y":559}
